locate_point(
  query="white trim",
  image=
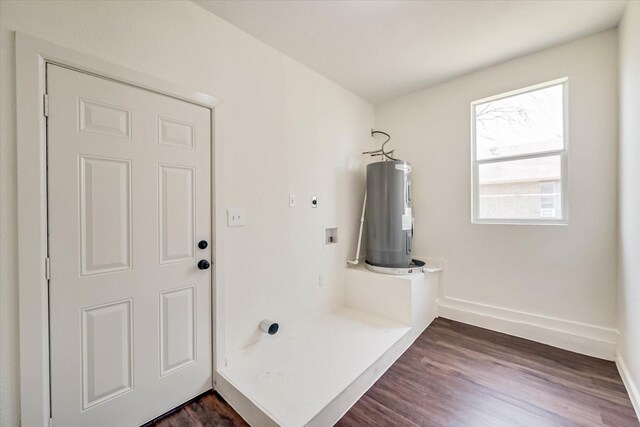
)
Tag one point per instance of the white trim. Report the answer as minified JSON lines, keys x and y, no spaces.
{"x":31,"y":56}
{"x":632,"y":388}
{"x":520,"y":91}
{"x":512,"y":157}
{"x":563,"y":153}
{"x":578,"y":337}
{"x":32,"y":236}
{"x":519,"y":195}
{"x":498,"y":221}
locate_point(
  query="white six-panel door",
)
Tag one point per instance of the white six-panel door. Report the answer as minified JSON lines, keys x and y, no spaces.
{"x":128,"y":203}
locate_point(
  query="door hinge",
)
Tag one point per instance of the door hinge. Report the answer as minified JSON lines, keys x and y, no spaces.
{"x":45,"y":105}
{"x":47,"y":268}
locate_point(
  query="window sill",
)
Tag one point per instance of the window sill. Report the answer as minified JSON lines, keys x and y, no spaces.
{"x":517,"y":222}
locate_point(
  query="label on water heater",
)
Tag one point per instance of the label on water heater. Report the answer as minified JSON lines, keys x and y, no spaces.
{"x":407,"y":220}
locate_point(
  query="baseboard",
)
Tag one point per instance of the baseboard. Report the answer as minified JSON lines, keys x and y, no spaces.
{"x":632,"y":388}
{"x":573,"y":336}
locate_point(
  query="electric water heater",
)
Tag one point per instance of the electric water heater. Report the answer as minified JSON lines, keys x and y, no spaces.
{"x":388,"y":214}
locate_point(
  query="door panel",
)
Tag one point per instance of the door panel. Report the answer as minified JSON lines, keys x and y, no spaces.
{"x":129,"y":198}
{"x":105,"y":119}
{"x":107,"y":352}
{"x":176,"y":214}
{"x":173,"y":132}
{"x":105,"y":214}
{"x":177,"y":329}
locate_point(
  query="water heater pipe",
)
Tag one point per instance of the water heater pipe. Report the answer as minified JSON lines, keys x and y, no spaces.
{"x":364,"y":206}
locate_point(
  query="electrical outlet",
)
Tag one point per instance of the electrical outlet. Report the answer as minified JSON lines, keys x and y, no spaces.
{"x":235,"y":217}
{"x":292,"y":200}
{"x":314,"y":202}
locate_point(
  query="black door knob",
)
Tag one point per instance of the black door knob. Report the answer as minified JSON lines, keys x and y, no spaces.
{"x":202,"y":244}
{"x":203,"y":264}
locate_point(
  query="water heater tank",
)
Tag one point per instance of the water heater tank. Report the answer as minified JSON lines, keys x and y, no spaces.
{"x":388,"y":214}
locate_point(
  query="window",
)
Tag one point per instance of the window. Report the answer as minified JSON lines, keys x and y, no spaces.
{"x":519,"y":156}
{"x":549,"y":199}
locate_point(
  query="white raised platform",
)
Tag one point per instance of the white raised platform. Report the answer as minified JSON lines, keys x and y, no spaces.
{"x":312,"y":372}
{"x":411,"y":300}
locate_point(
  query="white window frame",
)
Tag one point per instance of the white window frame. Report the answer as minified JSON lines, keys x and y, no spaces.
{"x":563,"y":153}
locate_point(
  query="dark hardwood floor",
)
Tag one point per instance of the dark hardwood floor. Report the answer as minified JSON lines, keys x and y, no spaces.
{"x":207,"y":410}
{"x":460,"y":375}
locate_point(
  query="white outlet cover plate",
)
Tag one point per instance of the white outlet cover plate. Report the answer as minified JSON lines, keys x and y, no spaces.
{"x":235,"y":217}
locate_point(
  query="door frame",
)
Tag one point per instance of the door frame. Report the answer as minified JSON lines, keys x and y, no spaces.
{"x":32,"y":55}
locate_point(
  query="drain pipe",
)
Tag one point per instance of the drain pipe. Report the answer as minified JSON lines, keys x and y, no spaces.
{"x":269,"y":327}
{"x":364,"y":206}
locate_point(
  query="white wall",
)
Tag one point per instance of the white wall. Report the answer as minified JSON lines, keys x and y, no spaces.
{"x":531,"y":281}
{"x":629,"y":228}
{"x":284,"y":128}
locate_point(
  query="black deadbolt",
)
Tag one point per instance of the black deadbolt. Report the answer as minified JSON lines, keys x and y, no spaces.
{"x":202,"y":244}
{"x":203,"y":264}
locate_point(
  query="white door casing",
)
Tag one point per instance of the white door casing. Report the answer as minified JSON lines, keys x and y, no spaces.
{"x":129,"y":200}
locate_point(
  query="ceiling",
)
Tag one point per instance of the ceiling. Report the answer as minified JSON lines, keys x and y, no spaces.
{"x":382,"y":49}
